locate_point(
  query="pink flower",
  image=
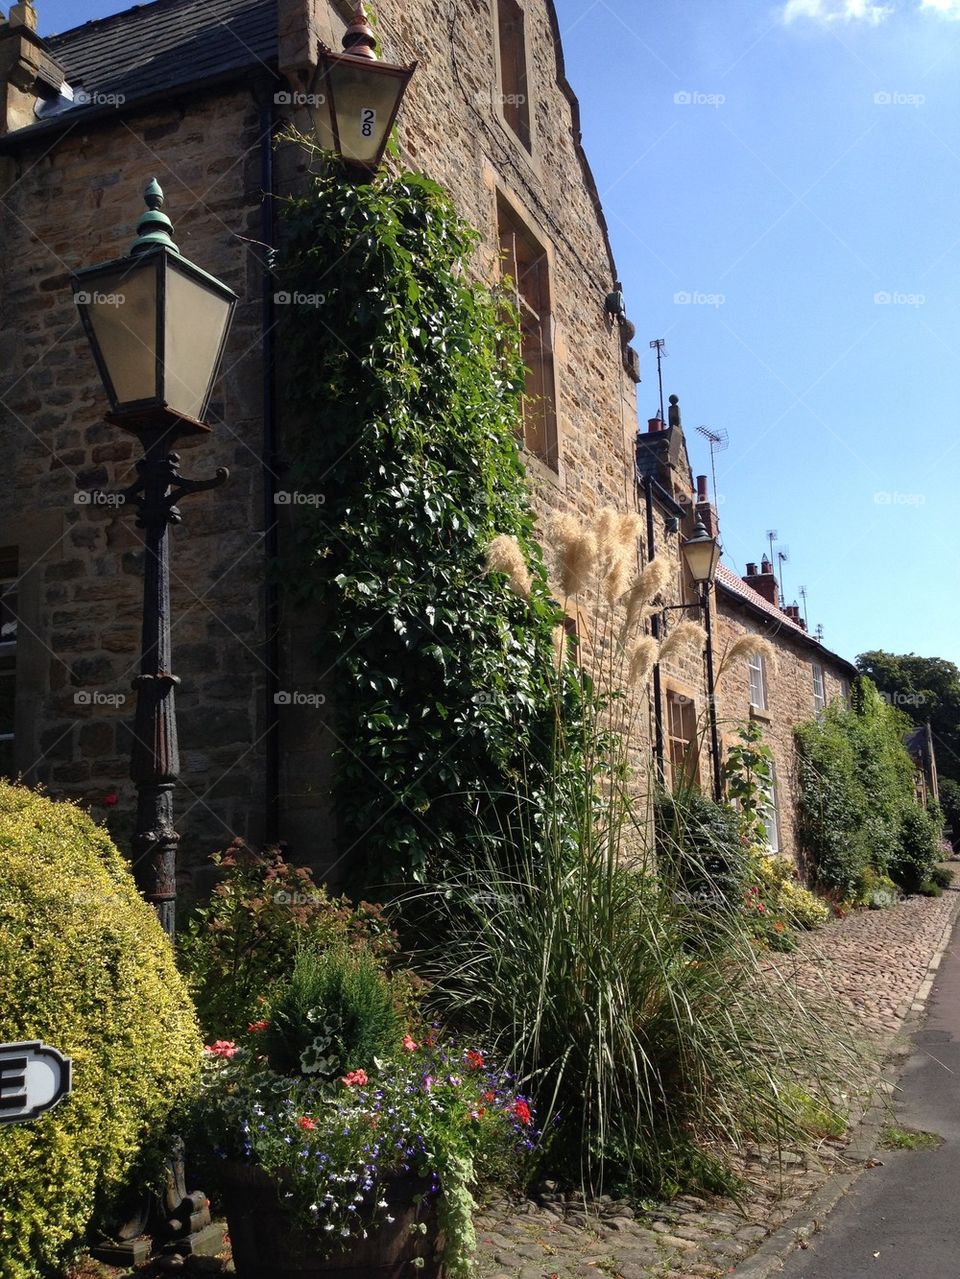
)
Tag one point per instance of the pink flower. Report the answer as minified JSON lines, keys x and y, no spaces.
{"x":222,"y":1048}
{"x":409,"y":1045}
{"x":354,"y":1078}
{"x":306,"y":1123}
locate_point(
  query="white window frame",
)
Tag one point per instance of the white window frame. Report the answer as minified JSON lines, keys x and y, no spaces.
{"x":819,"y":687}
{"x":771,"y":816}
{"x":758,"y":681}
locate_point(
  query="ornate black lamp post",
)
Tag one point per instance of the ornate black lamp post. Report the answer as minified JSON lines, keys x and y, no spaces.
{"x":157,"y":325}
{"x":357,"y":97}
{"x":702,"y":555}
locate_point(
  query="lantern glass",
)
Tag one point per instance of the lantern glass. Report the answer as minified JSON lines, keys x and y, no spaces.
{"x":121,"y":311}
{"x":157,"y":325}
{"x":355,"y":102}
{"x":702,"y":554}
{"x":196,"y":318}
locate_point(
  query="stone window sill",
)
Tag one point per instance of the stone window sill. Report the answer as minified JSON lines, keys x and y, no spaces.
{"x":757,"y":712}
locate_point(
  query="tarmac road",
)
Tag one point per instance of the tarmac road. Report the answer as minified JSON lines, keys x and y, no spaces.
{"x":902,"y":1220}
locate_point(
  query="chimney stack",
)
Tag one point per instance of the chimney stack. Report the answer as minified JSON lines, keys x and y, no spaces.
{"x":27,"y":71}
{"x":703,"y":509}
{"x":764,"y":582}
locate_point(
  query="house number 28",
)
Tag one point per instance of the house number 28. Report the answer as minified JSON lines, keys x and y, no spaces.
{"x":368,"y":118}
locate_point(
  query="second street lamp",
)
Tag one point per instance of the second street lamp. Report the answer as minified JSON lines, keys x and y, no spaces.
{"x":157,"y":325}
{"x":702,"y":555}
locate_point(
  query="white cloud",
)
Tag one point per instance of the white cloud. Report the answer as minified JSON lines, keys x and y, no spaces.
{"x":949,"y":8}
{"x":867,"y":11}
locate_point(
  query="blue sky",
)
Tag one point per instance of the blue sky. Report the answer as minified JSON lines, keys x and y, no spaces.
{"x":782,"y":182}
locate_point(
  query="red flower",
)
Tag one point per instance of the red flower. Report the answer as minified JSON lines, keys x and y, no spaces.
{"x":474,"y":1059}
{"x":306,"y":1123}
{"x":255,"y":1026}
{"x":489,"y":1095}
{"x":409,"y":1045}
{"x":520,"y":1110}
{"x":222,"y":1048}
{"x":108,"y":801}
{"x":354,"y":1078}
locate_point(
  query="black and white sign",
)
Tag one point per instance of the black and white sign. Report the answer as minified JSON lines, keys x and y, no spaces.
{"x":33,"y":1077}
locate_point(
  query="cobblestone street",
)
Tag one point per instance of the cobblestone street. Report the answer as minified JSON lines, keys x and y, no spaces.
{"x":876,"y":963}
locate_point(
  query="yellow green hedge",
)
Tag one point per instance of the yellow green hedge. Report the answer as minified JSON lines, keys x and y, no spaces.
{"x":84,"y":966}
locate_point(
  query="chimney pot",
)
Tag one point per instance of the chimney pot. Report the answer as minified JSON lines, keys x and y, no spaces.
{"x":751,"y":570}
{"x":702,"y":495}
{"x":655,"y":424}
{"x":764,"y":582}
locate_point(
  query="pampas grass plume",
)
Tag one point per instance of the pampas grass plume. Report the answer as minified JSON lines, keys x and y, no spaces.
{"x":686,"y":635}
{"x":504,"y":555}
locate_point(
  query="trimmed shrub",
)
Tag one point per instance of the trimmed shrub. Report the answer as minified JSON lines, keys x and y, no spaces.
{"x":918,"y":851}
{"x":85,"y":967}
{"x":335,"y":1013}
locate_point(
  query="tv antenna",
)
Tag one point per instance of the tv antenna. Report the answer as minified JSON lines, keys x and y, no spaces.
{"x":660,"y":346}
{"x":772,"y":536}
{"x":718,"y":440}
{"x":803,"y":596}
{"x":783,"y":555}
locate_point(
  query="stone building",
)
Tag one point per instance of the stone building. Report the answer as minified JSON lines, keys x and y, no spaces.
{"x":195,"y":94}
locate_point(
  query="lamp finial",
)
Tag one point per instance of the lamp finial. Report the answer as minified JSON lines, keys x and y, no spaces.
{"x":358,"y":39}
{"x":154,"y":230}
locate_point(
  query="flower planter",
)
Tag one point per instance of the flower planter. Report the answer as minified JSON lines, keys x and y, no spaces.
{"x":268,"y":1242}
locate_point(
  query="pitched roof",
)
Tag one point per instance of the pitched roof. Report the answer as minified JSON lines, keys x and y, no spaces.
{"x":158,"y":47}
{"x":729,"y":582}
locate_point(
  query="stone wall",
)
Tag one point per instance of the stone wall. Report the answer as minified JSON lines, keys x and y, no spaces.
{"x":71,"y":203}
{"x":789,"y":698}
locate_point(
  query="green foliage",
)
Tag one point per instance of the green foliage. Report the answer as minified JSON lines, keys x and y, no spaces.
{"x":85,"y":967}
{"x":856,"y":803}
{"x":950,"y":803}
{"x":925,"y":688}
{"x":407,"y":389}
{"x":334,"y":1013}
{"x":785,"y":898}
{"x":876,"y":891}
{"x":236,"y":947}
{"x":918,"y":851}
{"x":700,"y":849}
{"x":748,"y":782}
{"x":942,"y":876}
{"x":894,"y":1137}
{"x":646,"y":1027}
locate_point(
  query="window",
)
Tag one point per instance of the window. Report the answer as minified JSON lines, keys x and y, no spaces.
{"x":8,"y":658}
{"x":758,"y":681}
{"x":771,"y":814}
{"x":525,"y":263}
{"x":819,"y":689}
{"x":682,"y":740}
{"x":513,"y":69}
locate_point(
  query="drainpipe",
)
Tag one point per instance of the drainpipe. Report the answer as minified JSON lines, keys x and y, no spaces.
{"x":655,"y":631}
{"x":271,"y":641}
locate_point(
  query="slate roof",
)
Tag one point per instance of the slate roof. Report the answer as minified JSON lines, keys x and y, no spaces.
{"x":155,"y":48}
{"x":728,"y":581}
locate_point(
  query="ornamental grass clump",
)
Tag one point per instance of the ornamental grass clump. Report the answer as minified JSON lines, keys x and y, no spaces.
{"x":626,"y":989}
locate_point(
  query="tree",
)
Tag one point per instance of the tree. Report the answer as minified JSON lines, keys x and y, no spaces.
{"x":926,"y":688}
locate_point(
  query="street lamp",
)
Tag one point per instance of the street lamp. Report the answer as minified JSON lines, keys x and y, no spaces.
{"x":355,"y":97}
{"x":157,"y":325}
{"x":702,"y":555}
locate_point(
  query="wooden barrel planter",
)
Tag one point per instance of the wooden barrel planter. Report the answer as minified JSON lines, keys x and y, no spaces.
{"x":269,"y":1243}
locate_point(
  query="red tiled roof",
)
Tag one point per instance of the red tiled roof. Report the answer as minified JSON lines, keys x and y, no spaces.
{"x":729,"y":582}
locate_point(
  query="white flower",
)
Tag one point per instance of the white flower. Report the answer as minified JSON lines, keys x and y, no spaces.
{"x":389,"y":1218}
{"x":381,"y":1203}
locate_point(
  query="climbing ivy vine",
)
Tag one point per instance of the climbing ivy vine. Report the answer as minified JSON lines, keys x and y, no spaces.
{"x":405,"y":378}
